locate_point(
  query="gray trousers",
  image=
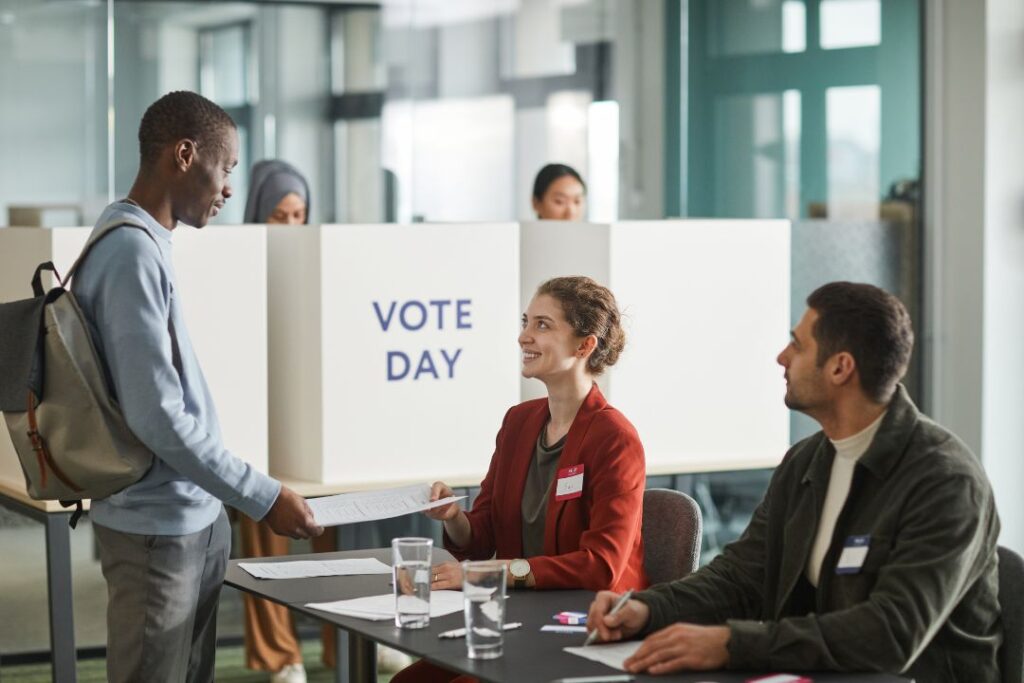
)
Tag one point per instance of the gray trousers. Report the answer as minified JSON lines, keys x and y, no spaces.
{"x":162,"y":609}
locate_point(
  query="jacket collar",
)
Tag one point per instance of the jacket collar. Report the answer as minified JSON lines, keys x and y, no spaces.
{"x":882,"y":455}
{"x":572,"y":454}
{"x":893,"y":435}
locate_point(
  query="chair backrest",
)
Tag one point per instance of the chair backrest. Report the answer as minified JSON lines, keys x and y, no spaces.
{"x":1011,"y":602}
{"x":672,"y":533}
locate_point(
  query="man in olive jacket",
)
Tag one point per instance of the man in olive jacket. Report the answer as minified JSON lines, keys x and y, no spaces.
{"x":874,"y":548}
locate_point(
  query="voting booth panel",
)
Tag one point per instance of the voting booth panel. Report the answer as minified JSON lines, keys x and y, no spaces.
{"x":221,"y":276}
{"x":393,"y":350}
{"x":553,"y":249}
{"x":706,"y":311}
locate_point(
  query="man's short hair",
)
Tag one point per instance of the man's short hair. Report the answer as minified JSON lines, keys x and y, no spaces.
{"x":178,"y":115}
{"x":871,"y":325}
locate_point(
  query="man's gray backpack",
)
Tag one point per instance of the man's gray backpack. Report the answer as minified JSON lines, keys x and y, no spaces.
{"x":68,"y":429}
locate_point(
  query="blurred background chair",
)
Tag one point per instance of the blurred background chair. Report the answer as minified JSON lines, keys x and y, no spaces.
{"x":672,"y":534}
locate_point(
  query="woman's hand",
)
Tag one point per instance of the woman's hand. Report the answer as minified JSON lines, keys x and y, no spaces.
{"x":447,"y":576}
{"x":444,"y":513}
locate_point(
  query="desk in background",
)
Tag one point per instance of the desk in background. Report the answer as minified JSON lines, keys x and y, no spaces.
{"x":54,"y":519}
{"x":530,"y":656}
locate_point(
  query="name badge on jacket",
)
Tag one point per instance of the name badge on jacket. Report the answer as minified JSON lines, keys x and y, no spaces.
{"x":854,"y":551}
{"x":570,"y":483}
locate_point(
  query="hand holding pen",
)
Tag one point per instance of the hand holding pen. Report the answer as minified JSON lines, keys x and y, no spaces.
{"x":614,"y":617}
{"x":623,"y":599}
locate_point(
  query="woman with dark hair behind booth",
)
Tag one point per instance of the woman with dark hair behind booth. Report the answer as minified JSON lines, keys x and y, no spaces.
{"x":559,"y":194}
{"x":590,"y":537}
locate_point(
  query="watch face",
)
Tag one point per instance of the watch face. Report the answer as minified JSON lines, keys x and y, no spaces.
{"x":519,"y":568}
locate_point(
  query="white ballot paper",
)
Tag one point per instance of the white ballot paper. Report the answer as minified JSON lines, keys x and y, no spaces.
{"x":612,"y":654}
{"x":304,"y":569}
{"x":381,"y":607}
{"x":367,"y":506}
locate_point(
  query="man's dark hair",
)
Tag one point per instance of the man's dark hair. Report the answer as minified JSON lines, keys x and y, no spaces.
{"x":871,"y":325}
{"x":179,"y":115}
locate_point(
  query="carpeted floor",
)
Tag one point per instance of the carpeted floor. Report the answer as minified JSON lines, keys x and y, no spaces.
{"x":230,"y":669}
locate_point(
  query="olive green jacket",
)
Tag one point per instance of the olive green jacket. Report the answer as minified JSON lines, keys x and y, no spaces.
{"x":925,"y":602}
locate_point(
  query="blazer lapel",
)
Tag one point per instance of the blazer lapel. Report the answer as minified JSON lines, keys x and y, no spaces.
{"x":572,"y":454}
{"x":525,"y":445}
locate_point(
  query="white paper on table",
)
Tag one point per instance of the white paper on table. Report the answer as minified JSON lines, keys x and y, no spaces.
{"x":367,"y":506}
{"x":611,"y":654}
{"x":304,"y":569}
{"x":381,"y":607}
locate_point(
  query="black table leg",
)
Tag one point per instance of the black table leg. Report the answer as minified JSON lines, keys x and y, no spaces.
{"x":340,"y":656}
{"x":362,"y":659}
{"x":58,"y":584}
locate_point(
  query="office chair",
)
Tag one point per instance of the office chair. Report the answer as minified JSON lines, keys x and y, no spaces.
{"x":1011,"y":600}
{"x":672,"y":532}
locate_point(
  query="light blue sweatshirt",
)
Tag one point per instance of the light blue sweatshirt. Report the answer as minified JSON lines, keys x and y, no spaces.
{"x":126,"y":288}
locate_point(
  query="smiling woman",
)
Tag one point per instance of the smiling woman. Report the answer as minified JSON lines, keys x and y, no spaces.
{"x":562,"y":499}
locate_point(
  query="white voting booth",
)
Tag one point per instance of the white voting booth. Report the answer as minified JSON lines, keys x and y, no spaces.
{"x":706,"y":312}
{"x":393,"y":350}
{"x":222,"y":280}
{"x":390,"y":351}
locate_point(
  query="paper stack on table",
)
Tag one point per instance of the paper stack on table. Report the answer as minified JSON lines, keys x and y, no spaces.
{"x":367,"y":506}
{"x":304,"y":569}
{"x":381,"y":607}
{"x":612,"y":654}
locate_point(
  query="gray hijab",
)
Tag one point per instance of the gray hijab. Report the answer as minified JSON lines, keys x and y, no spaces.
{"x":269,"y":182}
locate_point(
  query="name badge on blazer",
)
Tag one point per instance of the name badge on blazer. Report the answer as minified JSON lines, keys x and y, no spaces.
{"x":854,"y":551}
{"x":570,"y":483}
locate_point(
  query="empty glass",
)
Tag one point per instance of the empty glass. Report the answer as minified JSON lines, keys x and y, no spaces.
{"x":483,"y":587}
{"x":411,"y":569}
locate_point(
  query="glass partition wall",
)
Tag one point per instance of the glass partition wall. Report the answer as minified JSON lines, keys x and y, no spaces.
{"x":397,"y":111}
{"x":443,"y":110}
{"x":810,"y":110}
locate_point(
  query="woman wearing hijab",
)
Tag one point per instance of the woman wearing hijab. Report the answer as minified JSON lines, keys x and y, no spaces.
{"x":278,"y":194}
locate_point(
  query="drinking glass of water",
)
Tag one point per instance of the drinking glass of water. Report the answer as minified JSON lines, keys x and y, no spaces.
{"x":411,"y":568}
{"x":483,"y":588}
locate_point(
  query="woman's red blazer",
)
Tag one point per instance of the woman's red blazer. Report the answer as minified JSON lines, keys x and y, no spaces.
{"x":591,"y":542}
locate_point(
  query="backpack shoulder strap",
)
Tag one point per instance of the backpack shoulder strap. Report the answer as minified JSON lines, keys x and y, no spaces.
{"x":100,"y":234}
{"x":127,"y":222}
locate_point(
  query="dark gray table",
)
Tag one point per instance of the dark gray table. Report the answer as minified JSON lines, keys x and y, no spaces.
{"x":530,"y":655}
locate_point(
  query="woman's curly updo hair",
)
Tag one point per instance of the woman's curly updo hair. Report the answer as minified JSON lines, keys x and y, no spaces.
{"x":590,"y":309}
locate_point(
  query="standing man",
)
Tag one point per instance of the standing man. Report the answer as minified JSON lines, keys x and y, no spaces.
{"x":874,"y":548}
{"x":164,"y":541}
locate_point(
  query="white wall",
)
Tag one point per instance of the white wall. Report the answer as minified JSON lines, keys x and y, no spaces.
{"x":1002,"y":426}
{"x":974,"y":221}
{"x":954,"y":214}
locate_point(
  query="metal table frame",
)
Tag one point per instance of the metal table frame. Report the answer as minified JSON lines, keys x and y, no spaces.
{"x":58,"y":581}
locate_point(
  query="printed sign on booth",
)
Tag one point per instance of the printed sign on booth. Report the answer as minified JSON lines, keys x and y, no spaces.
{"x":401,"y":363}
